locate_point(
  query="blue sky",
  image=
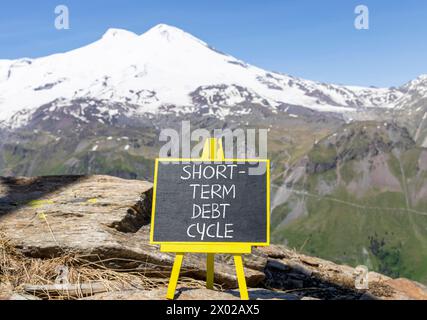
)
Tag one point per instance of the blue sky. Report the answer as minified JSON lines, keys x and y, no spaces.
{"x":307,"y":38}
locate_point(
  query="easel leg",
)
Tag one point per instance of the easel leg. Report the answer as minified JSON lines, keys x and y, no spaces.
{"x":241,"y":277}
{"x":174,"y":276}
{"x":210,"y":270}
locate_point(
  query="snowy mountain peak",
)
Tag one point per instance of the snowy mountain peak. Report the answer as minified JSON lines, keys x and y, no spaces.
{"x":164,"y":32}
{"x":118,"y":33}
{"x":165,"y":28}
{"x":167,"y":67}
{"x":416,"y":83}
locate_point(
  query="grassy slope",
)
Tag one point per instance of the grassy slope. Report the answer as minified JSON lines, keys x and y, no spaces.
{"x":43,"y":154}
{"x":363,"y":230}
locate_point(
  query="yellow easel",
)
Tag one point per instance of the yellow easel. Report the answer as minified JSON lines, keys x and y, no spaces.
{"x":212,"y":151}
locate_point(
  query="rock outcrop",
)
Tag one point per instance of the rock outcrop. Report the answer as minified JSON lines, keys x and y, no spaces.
{"x":99,"y":217}
{"x":314,"y":277}
{"x":106,"y":219}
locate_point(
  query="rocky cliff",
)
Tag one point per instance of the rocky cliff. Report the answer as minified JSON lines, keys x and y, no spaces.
{"x":86,"y":237}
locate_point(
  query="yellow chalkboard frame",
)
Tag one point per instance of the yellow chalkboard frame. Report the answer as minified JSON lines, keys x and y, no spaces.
{"x":212,"y":151}
{"x":217,"y":244}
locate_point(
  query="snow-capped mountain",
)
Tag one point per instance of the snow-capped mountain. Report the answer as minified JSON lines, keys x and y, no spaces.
{"x":165,"y":68}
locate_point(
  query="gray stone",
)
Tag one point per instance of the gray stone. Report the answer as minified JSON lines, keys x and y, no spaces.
{"x":100,"y":217}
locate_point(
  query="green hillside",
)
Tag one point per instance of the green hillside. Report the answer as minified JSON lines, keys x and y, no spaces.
{"x":364,"y":196}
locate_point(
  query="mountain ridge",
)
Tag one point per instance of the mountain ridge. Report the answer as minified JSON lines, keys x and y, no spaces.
{"x":168,"y":67}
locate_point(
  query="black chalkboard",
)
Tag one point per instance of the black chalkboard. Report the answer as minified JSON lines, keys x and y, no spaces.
{"x":210,"y":203}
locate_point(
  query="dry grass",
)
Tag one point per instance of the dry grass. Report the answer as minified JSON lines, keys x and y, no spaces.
{"x":17,"y":271}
